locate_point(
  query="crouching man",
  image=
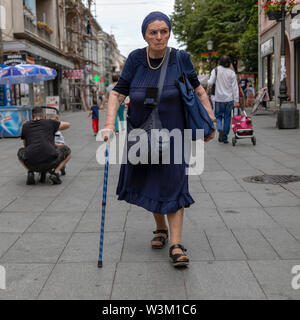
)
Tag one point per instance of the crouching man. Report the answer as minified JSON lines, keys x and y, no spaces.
{"x":40,"y":153}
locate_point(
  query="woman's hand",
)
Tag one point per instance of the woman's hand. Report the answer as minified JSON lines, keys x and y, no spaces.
{"x":212,"y":135}
{"x":107,"y":134}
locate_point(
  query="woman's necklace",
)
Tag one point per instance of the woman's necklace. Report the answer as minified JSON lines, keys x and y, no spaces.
{"x":148,"y":60}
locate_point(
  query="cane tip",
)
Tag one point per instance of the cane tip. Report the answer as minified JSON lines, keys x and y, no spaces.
{"x":99,"y":264}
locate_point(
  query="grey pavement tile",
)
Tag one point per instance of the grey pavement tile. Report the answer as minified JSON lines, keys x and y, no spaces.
{"x":234,"y":200}
{"x":37,"y":248}
{"x":221,"y":186}
{"x":56,"y":222}
{"x":140,"y":219}
{"x":276,"y":278}
{"x":137,"y":247}
{"x":29,"y":204}
{"x":47,"y":189}
{"x":288,"y":217}
{"x":247,"y":218}
{"x":284,"y":244}
{"x":203,"y":218}
{"x":114,"y":221}
{"x":295,"y":232}
{"x":69,"y":203}
{"x":79,"y":281}
{"x":16,"y":186}
{"x":198,"y":248}
{"x":112,"y":204}
{"x":293,"y":185}
{"x":4,"y":180}
{"x":216,"y":176}
{"x":254,"y":245}
{"x":7,"y":240}
{"x":224,"y":245}
{"x":257,"y":187}
{"x":202,"y":200}
{"x":84,"y":247}
{"x":221,"y":280}
{"x":24,"y":281}
{"x":148,"y":281}
{"x":276,"y":199}
{"x":5,"y":201}
{"x":195,"y":186}
{"x":16,"y":221}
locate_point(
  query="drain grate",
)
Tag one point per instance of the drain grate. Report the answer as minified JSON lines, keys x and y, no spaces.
{"x":272,"y":179}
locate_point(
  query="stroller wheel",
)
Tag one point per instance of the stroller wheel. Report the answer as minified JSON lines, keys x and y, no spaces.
{"x":233,"y":141}
{"x":253,"y":139}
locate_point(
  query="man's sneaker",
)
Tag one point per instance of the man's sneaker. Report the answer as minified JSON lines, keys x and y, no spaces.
{"x":225,"y":141}
{"x":63,"y":171}
{"x":54,"y":177}
{"x":43,"y":177}
{"x":221,"y":137}
{"x":30,"y":178}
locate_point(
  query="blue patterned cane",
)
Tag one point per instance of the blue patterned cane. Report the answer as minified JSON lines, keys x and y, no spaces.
{"x":103,"y":205}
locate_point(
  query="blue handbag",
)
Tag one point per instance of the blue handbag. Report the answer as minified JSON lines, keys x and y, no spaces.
{"x":195,"y":114}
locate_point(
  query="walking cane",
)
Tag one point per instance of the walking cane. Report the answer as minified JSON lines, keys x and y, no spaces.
{"x":103,"y":205}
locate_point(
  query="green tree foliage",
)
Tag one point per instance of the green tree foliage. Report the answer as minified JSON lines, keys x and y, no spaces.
{"x":229,"y":23}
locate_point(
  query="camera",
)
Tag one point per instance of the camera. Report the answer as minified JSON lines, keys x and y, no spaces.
{"x":151,"y":97}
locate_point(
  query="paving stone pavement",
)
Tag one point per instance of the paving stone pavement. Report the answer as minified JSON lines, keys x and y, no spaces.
{"x":243,"y":239}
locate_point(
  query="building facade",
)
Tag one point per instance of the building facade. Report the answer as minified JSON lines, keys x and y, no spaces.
{"x":270,"y":56}
{"x":33,"y":34}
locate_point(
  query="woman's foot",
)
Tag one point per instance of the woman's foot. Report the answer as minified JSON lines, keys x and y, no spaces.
{"x":160,"y":239}
{"x":178,"y":257}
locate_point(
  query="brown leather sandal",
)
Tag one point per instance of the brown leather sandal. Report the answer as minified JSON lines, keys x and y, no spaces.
{"x":161,"y":239}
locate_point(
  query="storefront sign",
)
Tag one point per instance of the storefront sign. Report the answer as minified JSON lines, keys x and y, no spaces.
{"x":295,"y":27}
{"x":267,"y":47}
{"x":73,"y":74}
{"x":53,"y":102}
{"x":14,"y":59}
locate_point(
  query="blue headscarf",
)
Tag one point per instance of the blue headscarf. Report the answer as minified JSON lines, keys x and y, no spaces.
{"x":153,"y":17}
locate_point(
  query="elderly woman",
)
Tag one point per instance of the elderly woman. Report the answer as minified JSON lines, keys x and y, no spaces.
{"x":160,"y":189}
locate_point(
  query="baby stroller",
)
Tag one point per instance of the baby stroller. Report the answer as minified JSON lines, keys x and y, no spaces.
{"x":242,"y":128}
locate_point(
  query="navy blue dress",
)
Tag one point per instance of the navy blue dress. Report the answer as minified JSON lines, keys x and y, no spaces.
{"x":157,"y":188}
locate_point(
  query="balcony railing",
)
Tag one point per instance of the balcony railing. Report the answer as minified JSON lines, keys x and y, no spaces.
{"x":31,"y":26}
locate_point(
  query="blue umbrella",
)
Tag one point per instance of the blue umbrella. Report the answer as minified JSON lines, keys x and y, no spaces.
{"x":26,"y":73}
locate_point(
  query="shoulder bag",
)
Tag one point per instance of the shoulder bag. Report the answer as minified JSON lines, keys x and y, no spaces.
{"x":195,"y":114}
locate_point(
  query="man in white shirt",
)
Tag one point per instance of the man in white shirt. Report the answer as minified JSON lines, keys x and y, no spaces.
{"x":226,"y":96}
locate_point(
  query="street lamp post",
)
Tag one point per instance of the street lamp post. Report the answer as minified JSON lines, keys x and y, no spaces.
{"x":288,"y":115}
{"x":209,"y":44}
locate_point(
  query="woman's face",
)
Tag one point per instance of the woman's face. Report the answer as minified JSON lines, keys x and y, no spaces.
{"x":157,"y":35}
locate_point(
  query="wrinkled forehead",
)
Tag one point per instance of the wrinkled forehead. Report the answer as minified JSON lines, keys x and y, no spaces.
{"x":157,"y":25}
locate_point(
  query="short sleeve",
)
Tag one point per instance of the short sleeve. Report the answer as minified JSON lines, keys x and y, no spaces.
{"x":190,"y":70}
{"x":55,"y":125}
{"x":122,"y":87}
{"x":23,"y":132}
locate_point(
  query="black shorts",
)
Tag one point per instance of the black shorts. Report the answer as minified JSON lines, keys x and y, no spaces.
{"x":62,"y":153}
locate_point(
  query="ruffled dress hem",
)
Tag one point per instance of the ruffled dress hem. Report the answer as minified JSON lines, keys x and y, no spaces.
{"x":155,"y":206}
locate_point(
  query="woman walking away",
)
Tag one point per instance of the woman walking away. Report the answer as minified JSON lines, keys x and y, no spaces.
{"x":120,"y":113}
{"x":159,"y":188}
{"x":95,"y":116}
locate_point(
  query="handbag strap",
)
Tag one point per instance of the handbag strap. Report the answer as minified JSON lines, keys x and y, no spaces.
{"x":162,"y":76}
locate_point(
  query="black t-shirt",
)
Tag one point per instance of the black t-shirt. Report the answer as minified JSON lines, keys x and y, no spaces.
{"x":244,"y":83}
{"x":39,"y":136}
